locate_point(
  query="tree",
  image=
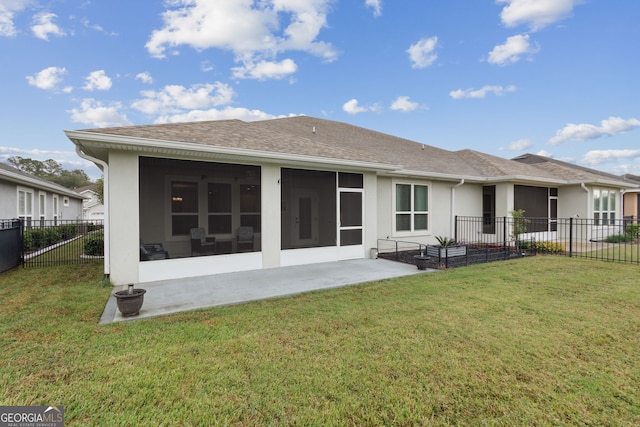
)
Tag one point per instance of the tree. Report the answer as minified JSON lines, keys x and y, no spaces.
{"x":51,"y":171}
{"x":100,"y":189}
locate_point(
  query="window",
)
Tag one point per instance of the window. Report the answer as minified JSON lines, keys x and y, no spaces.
{"x":25,"y":205}
{"x":184,"y":207}
{"x":65,"y":201}
{"x":489,"y":209}
{"x":604,"y":207}
{"x":42,"y":197}
{"x":55,"y":209}
{"x":412,"y":207}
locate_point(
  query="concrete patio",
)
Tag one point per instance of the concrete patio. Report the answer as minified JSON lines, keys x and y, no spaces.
{"x":174,"y":296}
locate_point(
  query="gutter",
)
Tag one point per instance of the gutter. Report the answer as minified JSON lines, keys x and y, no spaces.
{"x":105,"y":194}
{"x":453,"y":207}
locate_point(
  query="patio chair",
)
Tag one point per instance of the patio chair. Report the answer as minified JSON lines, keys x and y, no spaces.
{"x":201,"y":244}
{"x":152,"y":251}
{"x":245,"y":238}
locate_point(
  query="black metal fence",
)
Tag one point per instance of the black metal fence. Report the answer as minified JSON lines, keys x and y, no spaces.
{"x":610,"y":240}
{"x":10,"y":244}
{"x":55,"y":242}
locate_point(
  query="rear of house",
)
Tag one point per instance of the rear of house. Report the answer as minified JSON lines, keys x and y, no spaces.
{"x":228,"y":195}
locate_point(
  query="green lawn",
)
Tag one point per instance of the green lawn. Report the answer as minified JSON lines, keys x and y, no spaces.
{"x":535,"y":341}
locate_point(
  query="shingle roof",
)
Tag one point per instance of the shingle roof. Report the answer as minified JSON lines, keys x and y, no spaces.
{"x":16,"y":175}
{"x":320,"y":138}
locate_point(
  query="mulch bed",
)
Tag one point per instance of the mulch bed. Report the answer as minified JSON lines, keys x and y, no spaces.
{"x":476,"y":254}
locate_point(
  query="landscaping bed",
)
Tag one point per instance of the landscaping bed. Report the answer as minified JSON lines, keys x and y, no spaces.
{"x":476,"y":254}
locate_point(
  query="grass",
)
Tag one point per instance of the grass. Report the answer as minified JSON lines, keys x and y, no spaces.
{"x":626,"y":252}
{"x":535,"y":341}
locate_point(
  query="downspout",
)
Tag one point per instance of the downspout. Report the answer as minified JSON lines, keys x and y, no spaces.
{"x":105,"y":195}
{"x":452,"y":227}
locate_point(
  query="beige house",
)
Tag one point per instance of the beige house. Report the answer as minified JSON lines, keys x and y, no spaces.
{"x":303,"y":190}
{"x":632,"y":198}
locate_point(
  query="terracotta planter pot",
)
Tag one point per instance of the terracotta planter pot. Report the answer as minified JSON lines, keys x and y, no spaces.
{"x":129,"y":304}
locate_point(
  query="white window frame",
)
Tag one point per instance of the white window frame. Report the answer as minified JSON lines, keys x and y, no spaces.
{"x":65,"y":201}
{"x":25,"y":206}
{"x":56,"y":207}
{"x":42,"y":205}
{"x":610,"y":212}
{"x":412,"y":231}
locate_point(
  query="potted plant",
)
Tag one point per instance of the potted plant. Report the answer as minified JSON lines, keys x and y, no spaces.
{"x":421,"y":260}
{"x":447,"y":247}
{"x":130,"y":300}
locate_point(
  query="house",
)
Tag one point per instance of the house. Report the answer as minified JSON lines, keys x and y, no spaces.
{"x":92,"y":207}
{"x":632,"y":198}
{"x":310,"y":190}
{"x":29,"y":198}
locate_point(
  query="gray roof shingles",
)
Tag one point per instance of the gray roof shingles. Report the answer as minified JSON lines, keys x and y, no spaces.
{"x":310,"y":136}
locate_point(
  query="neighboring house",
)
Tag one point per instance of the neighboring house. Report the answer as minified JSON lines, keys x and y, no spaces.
{"x":34,"y":199}
{"x":632,"y":198}
{"x":311,"y":190}
{"x":92,"y":208}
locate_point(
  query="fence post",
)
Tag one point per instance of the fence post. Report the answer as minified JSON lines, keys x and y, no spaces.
{"x":504,"y":230}
{"x":455,"y":231}
{"x":570,"y":237}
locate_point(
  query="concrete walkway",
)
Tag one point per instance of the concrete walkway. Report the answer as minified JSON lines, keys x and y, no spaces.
{"x":173,"y":296}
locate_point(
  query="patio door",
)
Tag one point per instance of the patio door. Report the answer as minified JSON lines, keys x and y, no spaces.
{"x":350,"y":215}
{"x":305,"y":218}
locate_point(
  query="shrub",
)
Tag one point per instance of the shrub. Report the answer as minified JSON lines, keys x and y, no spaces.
{"x":445,"y":241}
{"x":633,"y":231}
{"x":67,"y":231}
{"x":618,"y":238}
{"x":94,"y":244}
{"x":549,"y":247}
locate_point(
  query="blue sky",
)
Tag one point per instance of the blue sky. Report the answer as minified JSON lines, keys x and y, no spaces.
{"x":505,"y":77}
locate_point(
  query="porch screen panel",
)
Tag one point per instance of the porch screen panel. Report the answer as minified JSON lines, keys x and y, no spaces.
{"x":219,"y":203}
{"x":535,"y":203}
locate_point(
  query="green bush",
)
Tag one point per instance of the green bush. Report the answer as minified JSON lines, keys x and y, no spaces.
{"x":68,"y":231}
{"x":619,"y":238}
{"x":550,"y":247}
{"x":633,"y":231}
{"x":94,"y":244}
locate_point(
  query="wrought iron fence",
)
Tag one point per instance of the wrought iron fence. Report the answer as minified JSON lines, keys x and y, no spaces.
{"x":62,"y":242}
{"x":610,"y":240}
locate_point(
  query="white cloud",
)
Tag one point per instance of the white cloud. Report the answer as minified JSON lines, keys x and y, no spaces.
{"x":174,"y":99}
{"x":535,"y":13}
{"x":43,"y":26}
{"x":545,"y":153}
{"x":520,"y":145}
{"x":145,"y":77}
{"x":97,"y":80}
{"x":376,"y":5}
{"x":8,"y":9}
{"x":95,"y":113}
{"x":226,"y":113}
{"x":581,"y":132}
{"x":482,"y":92}
{"x":513,"y":49}
{"x":595,"y":157}
{"x":402,"y":103}
{"x":48,"y":78}
{"x":352,"y":107}
{"x":265,"y":70}
{"x":253,"y":31}
{"x":421,"y":54}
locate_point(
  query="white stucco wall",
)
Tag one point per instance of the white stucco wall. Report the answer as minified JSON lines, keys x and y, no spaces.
{"x":124,"y":217}
{"x":271,"y":229}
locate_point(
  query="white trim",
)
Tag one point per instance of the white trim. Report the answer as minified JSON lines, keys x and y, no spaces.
{"x":42,"y":205}
{"x":28,"y":195}
{"x":289,"y":257}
